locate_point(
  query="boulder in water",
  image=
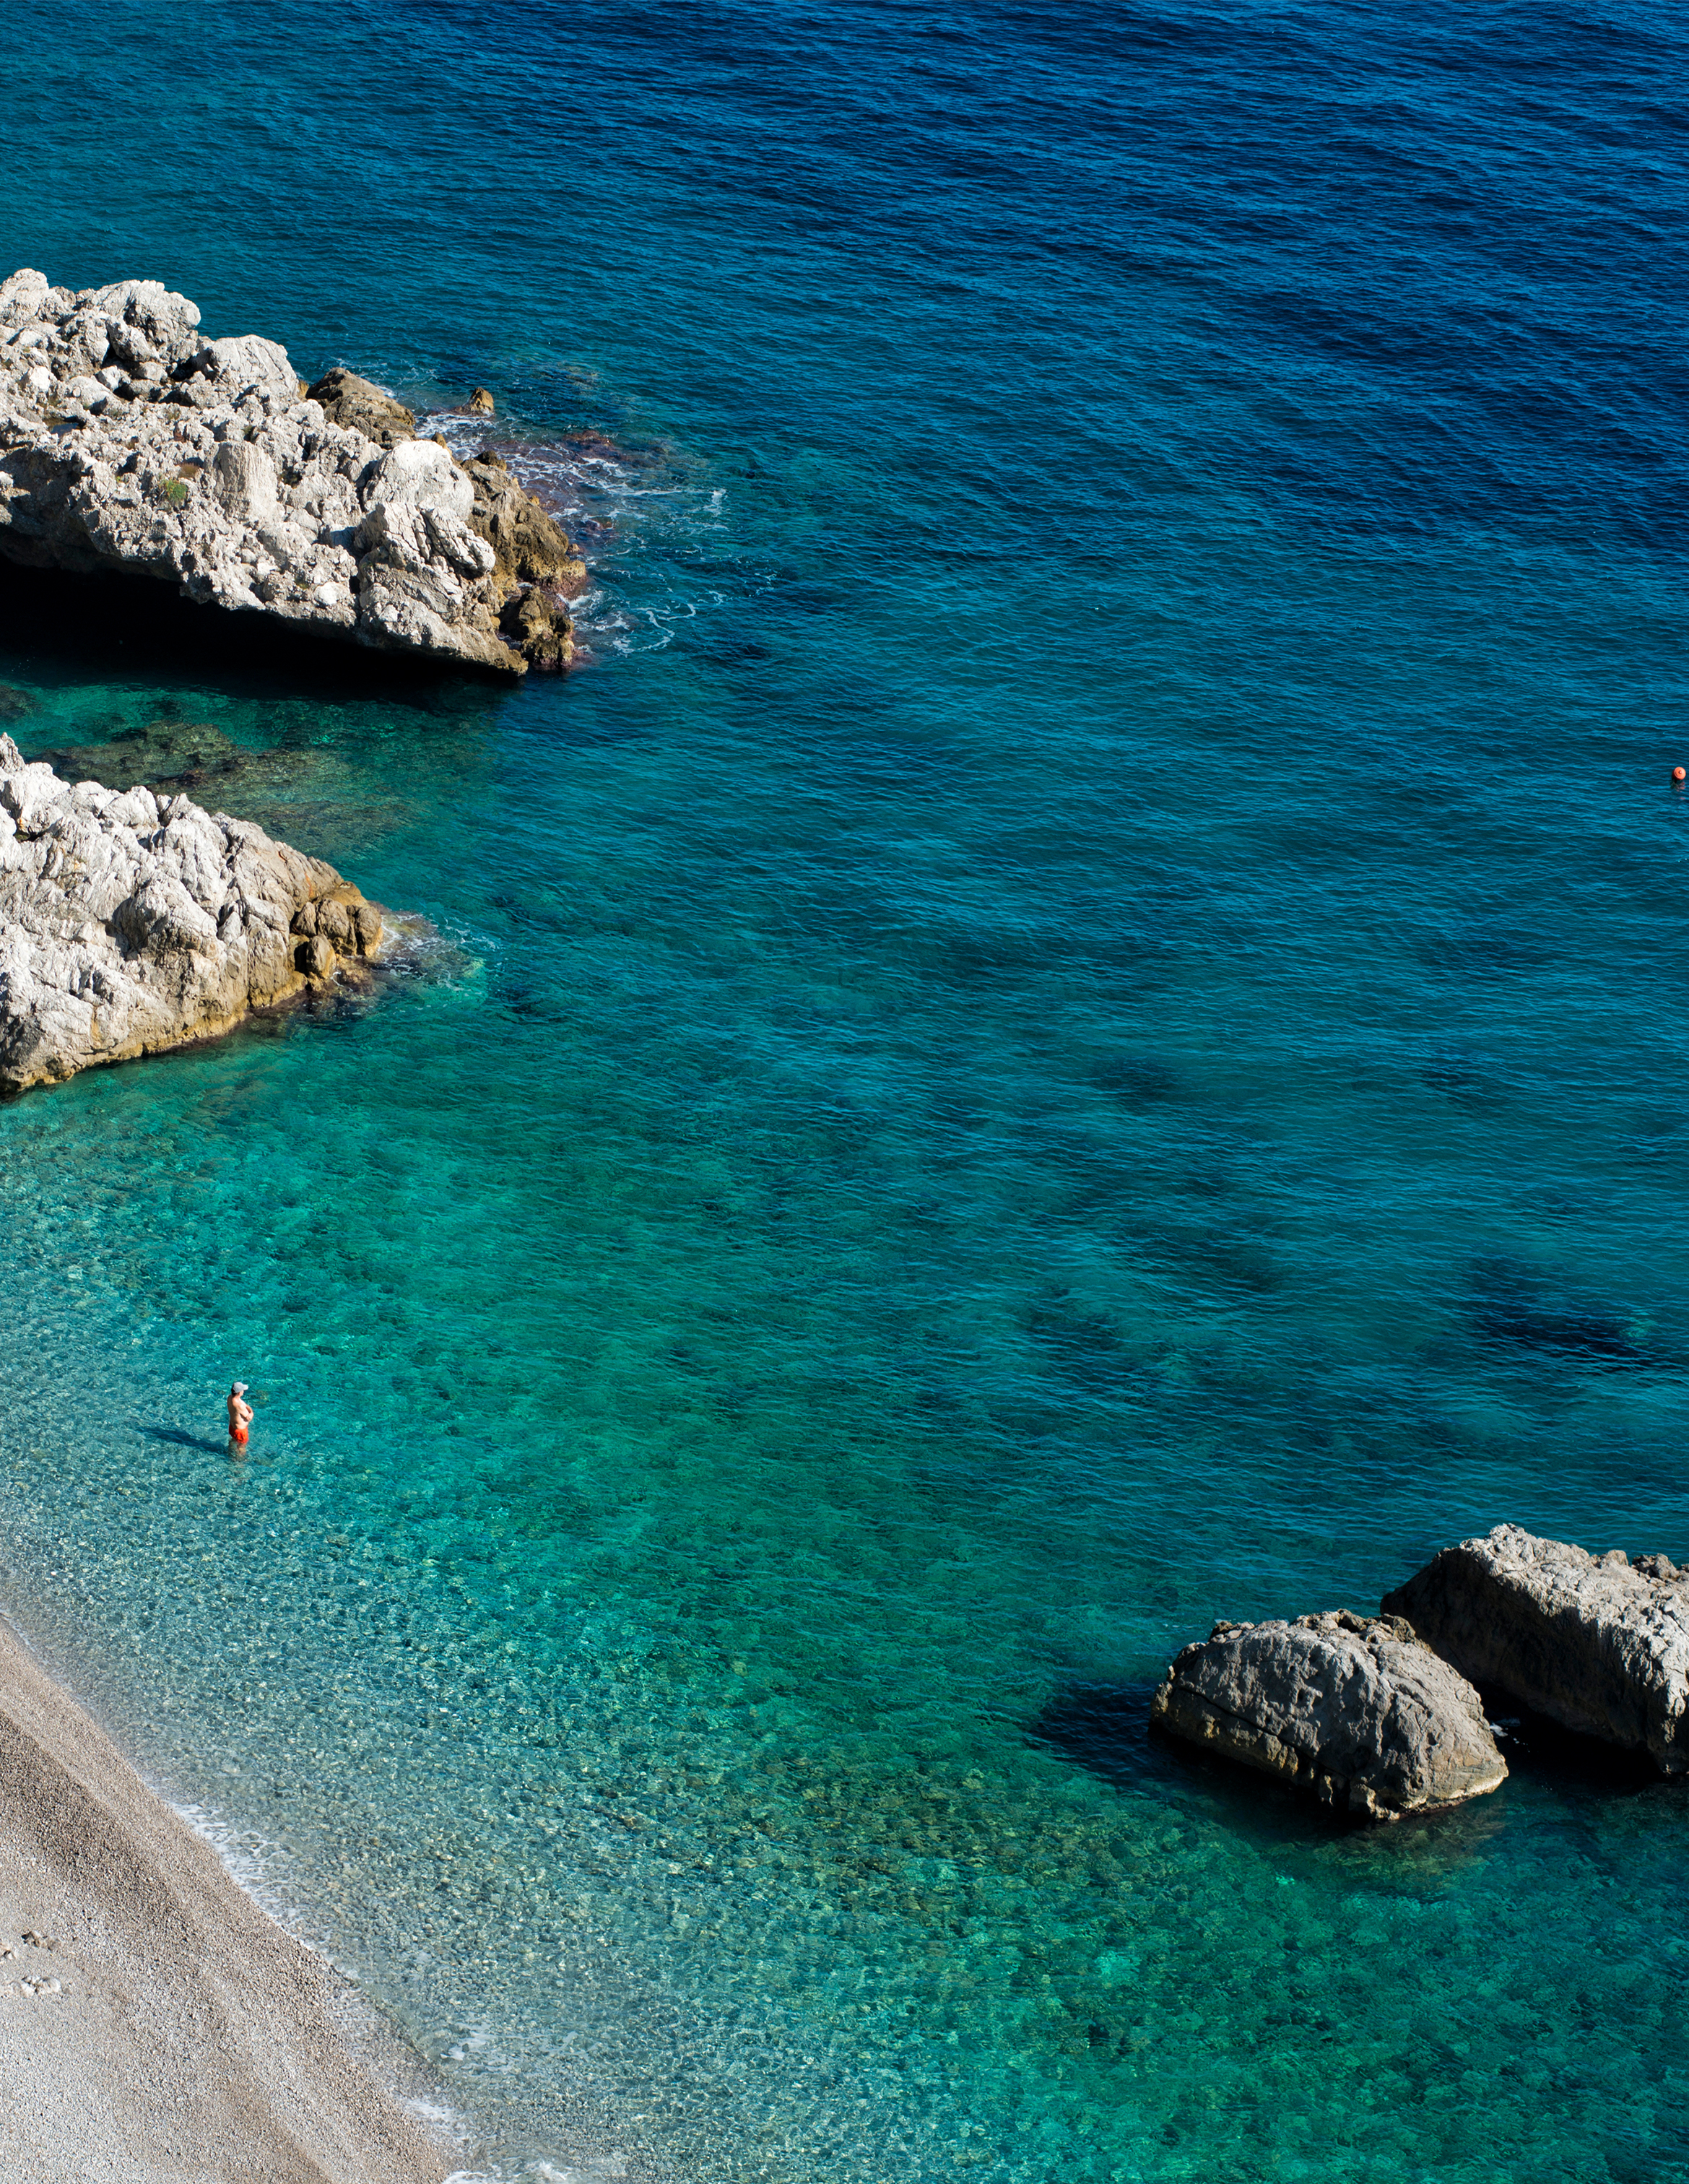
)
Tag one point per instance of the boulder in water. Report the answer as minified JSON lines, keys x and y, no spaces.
{"x":1353,"y":1707}
{"x":1595,"y":1642}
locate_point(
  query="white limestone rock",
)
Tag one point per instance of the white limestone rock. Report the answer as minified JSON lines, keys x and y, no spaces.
{"x":128,"y":925}
{"x":1596,"y":1643}
{"x":245,"y":362}
{"x":127,"y":441}
{"x":1353,"y":1707}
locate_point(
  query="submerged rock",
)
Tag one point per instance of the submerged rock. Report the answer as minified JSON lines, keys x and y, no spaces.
{"x":1353,"y":1707}
{"x":1593,"y":1642}
{"x":130,"y":924}
{"x":129,"y":442}
{"x":169,"y":752}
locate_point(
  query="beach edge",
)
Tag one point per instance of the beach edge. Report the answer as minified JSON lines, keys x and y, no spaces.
{"x":148,"y":2001}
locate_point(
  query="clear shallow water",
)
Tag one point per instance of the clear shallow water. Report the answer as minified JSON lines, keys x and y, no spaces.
{"x":1073,"y":1026}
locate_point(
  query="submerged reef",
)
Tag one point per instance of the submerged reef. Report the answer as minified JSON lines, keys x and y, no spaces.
{"x":128,"y":442}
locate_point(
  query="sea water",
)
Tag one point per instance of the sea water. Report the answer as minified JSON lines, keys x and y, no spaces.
{"x":1074,"y":1023}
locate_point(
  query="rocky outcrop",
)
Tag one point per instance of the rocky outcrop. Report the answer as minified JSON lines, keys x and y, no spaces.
{"x":363,"y":407}
{"x":1596,"y":1643}
{"x":1354,"y":1708}
{"x":129,"y":924}
{"x":130,"y":441}
{"x":529,"y":546}
{"x":533,"y":621}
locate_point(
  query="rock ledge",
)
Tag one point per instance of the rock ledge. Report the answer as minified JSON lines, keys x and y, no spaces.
{"x":129,"y":924}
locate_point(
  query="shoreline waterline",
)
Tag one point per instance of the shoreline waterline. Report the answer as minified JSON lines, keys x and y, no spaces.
{"x":157,"y":1996}
{"x":76,"y":1675}
{"x":348,"y":1855}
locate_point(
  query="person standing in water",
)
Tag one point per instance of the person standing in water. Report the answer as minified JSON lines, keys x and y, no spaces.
{"x":240,"y":1416}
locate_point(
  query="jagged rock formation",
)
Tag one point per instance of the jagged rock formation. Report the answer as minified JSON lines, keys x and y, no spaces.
{"x":363,"y":407}
{"x":129,"y":924}
{"x":533,"y":624}
{"x":128,"y":441}
{"x":1353,"y":1707}
{"x":528,"y":545}
{"x":1596,"y":1643}
{"x":533,"y":558}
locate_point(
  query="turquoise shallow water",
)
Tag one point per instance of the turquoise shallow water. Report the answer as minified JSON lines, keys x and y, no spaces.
{"x":1073,"y":1026}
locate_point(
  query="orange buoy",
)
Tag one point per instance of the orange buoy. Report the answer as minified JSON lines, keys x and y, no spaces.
{"x":1678,"y":774}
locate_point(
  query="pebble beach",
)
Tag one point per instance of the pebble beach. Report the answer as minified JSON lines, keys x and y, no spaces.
{"x":155,"y":2025}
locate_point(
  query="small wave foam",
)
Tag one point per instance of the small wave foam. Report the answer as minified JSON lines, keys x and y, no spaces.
{"x":622,"y":506}
{"x":250,"y":1859}
{"x":605,"y":2169}
{"x":414,"y":949}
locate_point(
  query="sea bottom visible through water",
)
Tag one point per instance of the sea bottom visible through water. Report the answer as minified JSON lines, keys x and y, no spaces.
{"x":1073,"y":1026}
{"x":635,"y":1645}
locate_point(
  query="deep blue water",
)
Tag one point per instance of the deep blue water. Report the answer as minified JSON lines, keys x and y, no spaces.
{"x":1075,"y":1023}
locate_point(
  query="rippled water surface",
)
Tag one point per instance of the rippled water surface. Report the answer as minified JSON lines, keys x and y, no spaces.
{"x":1074,"y":1023}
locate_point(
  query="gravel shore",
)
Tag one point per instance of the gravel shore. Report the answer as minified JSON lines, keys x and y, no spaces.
{"x":156,"y":2026}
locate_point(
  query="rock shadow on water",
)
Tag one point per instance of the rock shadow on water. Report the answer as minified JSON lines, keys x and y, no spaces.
{"x":108,"y":625}
{"x":1106,"y":1730}
{"x":1573,"y":1766}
